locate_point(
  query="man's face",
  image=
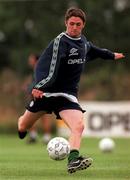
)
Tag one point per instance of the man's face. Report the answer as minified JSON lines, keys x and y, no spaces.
{"x":74,"y":26}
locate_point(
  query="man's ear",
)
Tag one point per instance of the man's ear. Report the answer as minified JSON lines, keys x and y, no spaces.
{"x":84,"y":25}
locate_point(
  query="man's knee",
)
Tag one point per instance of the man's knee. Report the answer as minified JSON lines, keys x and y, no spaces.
{"x":78,"y":127}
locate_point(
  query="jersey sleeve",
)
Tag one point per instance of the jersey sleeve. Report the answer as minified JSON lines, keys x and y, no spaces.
{"x":96,"y":52}
{"x":48,"y":64}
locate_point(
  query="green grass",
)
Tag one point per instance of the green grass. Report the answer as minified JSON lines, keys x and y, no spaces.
{"x":19,"y":161}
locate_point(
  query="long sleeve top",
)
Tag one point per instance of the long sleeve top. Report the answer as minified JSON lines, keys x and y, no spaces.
{"x":60,"y":66}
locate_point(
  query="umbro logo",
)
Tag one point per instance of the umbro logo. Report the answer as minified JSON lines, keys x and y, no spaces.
{"x":73,"y":52}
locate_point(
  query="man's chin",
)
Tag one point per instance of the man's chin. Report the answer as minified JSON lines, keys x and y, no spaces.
{"x":75,"y":35}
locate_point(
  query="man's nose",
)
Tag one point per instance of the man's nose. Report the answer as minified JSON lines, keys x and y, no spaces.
{"x":75,"y":26}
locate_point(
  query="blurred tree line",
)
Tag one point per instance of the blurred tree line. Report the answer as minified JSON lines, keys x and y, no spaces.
{"x":28,"y":26}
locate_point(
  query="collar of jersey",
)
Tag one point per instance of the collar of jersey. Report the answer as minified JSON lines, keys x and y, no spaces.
{"x":71,"y":37}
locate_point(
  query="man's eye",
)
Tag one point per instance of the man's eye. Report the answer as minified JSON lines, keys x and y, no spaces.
{"x":71,"y":24}
{"x":78,"y":24}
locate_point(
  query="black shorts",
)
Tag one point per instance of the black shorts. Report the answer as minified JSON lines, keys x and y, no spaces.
{"x":52,"y":104}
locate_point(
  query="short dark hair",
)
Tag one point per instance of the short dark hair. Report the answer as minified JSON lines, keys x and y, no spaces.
{"x":75,"y":12}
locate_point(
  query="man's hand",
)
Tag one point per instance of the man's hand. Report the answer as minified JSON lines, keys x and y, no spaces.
{"x":119,"y":55}
{"x":37,"y":93}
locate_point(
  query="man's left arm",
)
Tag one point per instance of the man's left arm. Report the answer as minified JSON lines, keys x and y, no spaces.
{"x":96,"y":52}
{"x":118,"y":56}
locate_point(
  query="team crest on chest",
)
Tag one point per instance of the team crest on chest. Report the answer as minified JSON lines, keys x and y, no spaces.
{"x":73,"y":52}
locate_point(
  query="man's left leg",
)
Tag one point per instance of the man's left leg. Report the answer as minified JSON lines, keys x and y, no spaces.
{"x":74,"y":120}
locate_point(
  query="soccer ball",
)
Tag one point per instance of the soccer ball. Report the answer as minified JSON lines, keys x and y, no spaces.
{"x":106,"y":145}
{"x":58,"y":148}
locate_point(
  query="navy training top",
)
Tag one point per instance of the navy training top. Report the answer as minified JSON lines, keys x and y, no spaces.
{"x":60,"y":66}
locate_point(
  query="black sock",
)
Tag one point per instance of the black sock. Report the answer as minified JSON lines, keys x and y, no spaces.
{"x":22,"y":134}
{"x":74,"y":153}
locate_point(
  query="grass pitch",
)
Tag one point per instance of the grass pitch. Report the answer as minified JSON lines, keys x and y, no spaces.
{"x":20,"y":161}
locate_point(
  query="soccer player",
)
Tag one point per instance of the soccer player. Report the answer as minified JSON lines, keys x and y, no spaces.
{"x":46,"y":119}
{"x":57,"y":76}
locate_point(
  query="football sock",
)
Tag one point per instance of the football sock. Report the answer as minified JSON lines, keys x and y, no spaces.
{"x":74,"y":153}
{"x":33,"y":134}
{"x":22,"y":134}
{"x":46,"y":137}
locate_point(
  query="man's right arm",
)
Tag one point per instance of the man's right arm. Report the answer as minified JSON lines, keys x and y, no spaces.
{"x":47,"y":68}
{"x":41,"y":71}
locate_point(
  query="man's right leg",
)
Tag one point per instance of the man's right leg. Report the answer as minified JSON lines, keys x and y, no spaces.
{"x":26,"y":121}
